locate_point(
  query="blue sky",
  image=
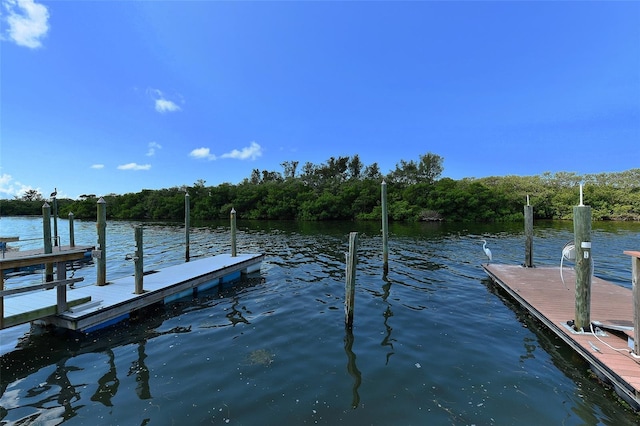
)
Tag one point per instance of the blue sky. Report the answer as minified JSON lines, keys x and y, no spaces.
{"x":119,"y":96}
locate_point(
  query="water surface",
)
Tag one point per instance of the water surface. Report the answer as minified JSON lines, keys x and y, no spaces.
{"x":434,"y":342}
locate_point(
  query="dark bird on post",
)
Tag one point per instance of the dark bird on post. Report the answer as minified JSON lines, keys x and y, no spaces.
{"x":54,"y":193}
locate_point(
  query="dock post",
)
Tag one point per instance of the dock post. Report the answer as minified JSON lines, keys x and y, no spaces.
{"x":187,"y":214}
{"x":233,"y":232}
{"x":46,"y":228}
{"x":61,"y":297}
{"x":55,"y":221}
{"x":584,"y":264}
{"x":635,"y":282}
{"x":102,"y":242}
{"x":528,"y":233}
{"x":138,"y":261}
{"x":72,"y":238}
{"x":1,"y":299}
{"x":350,"y":285}
{"x":385,"y":228}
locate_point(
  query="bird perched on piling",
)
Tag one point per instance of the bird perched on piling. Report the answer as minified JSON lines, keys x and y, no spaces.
{"x":486,"y":249}
{"x":54,"y":193}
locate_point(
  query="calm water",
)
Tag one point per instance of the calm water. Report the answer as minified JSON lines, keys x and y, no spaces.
{"x":433,"y":341}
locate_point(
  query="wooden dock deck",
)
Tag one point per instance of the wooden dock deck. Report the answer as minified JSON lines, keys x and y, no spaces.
{"x":540,"y":290}
{"x":93,"y":307}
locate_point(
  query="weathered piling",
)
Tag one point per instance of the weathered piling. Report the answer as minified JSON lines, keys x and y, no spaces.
{"x":385,"y":228}
{"x":55,"y":222}
{"x":72,"y":238}
{"x":46,"y":229}
{"x":101,"y":252}
{"x":138,"y":261}
{"x":187,"y":224}
{"x":635,"y":282}
{"x":61,"y":290}
{"x":528,"y":234}
{"x":233,"y":233}
{"x":350,"y":285}
{"x":583,"y":265}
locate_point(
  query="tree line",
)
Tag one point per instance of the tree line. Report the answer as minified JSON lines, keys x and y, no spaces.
{"x":343,"y":188}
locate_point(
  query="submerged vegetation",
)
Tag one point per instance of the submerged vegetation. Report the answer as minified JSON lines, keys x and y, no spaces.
{"x":343,"y":188}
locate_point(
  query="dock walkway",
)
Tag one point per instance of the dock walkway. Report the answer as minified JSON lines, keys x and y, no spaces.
{"x":105,"y":305}
{"x":541,"y":291}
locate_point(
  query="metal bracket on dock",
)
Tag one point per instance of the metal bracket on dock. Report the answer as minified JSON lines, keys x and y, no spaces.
{"x":96,"y":254}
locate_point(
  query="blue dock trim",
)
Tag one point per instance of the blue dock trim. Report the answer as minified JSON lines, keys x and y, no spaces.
{"x":114,"y":302}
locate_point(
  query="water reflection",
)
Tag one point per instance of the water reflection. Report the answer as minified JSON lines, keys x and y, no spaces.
{"x":352,"y":368}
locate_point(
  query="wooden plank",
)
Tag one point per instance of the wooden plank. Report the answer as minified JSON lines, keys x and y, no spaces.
{"x":49,"y":285}
{"x":542,"y":293}
{"x":37,"y":259}
{"x":39,"y":313}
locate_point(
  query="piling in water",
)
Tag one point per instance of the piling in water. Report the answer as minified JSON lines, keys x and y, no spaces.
{"x":528,"y":233}
{"x":187,"y":220}
{"x":583,"y":266}
{"x":138,"y":261}
{"x":102,"y":242}
{"x":72,"y":238}
{"x":233,"y":233}
{"x":350,"y":285}
{"x":385,"y":228}
{"x":46,"y":229}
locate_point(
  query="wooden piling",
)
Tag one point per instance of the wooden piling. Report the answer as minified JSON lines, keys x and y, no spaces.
{"x":583,"y":266}
{"x":72,"y":238}
{"x":635,"y":281}
{"x":187,"y":221}
{"x":101,"y":225}
{"x":528,"y":234}
{"x":138,"y":261}
{"x":350,"y":285}
{"x":46,"y":229}
{"x":61,"y":290}
{"x":55,"y":222}
{"x":233,"y":233}
{"x":385,"y":229}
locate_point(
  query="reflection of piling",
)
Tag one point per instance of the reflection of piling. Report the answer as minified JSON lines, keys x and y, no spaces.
{"x":385,"y":229}
{"x":46,"y":229}
{"x":187,"y":214}
{"x":138,"y":261}
{"x":352,"y":369}
{"x":233,"y":232}
{"x":583,"y":266}
{"x":72,"y":238}
{"x":102,"y":242}
{"x":528,"y":234}
{"x":350,"y":287}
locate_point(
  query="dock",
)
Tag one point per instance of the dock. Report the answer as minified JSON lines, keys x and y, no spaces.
{"x":608,"y":347}
{"x":91,"y":307}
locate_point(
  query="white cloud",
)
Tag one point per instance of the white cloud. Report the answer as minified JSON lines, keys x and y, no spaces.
{"x":162,"y":103}
{"x":11,"y":188}
{"x":202,"y":153}
{"x":134,"y":166}
{"x":97,"y":166}
{"x":152,"y":148}
{"x":250,"y":152}
{"x":27,"y":22}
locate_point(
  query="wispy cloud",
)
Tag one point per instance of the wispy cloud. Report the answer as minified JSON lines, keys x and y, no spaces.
{"x":250,"y":152}
{"x":97,"y":166}
{"x":163,"y":104}
{"x":27,"y":22}
{"x":13,"y":188}
{"x":153,"y":146}
{"x":134,"y":166}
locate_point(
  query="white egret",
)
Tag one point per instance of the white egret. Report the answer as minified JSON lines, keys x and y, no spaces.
{"x":486,"y":250}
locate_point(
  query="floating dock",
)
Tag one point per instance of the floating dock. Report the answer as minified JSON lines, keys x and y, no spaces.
{"x":541,"y":291}
{"x":92,"y":307}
